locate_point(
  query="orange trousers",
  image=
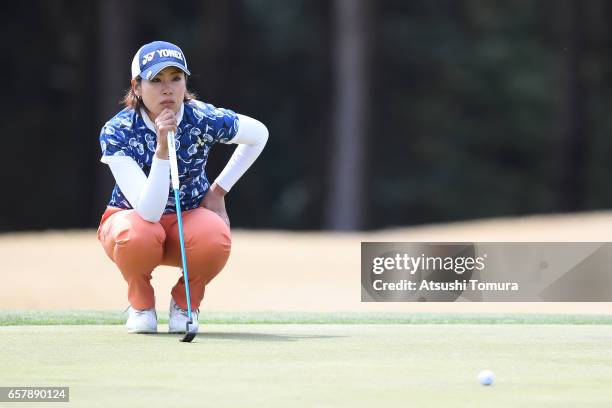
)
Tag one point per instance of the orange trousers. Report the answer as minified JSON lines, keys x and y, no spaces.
{"x":137,"y":246}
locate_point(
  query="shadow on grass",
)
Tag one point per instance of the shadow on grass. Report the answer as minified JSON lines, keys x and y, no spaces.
{"x":244,"y":336}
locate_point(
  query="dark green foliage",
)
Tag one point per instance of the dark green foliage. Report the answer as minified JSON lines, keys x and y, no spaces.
{"x":475,"y":109}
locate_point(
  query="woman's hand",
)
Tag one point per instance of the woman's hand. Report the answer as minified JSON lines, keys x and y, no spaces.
{"x":165,"y":122}
{"x":214,"y":200}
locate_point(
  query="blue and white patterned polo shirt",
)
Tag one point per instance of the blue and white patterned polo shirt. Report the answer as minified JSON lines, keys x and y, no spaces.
{"x":202,"y":125}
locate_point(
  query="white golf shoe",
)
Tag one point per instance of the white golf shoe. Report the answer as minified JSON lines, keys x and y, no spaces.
{"x":179,"y":318}
{"x":141,"y":321}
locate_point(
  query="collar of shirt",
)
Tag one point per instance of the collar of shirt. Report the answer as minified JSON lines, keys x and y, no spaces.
{"x":151,"y":125}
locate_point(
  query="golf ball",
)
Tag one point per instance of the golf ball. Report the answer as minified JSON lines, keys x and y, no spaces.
{"x":486,"y":377}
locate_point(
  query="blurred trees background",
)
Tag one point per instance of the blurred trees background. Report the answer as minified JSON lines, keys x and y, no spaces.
{"x":380,"y":113}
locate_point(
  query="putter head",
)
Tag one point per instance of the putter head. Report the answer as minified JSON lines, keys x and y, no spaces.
{"x":190,"y":332}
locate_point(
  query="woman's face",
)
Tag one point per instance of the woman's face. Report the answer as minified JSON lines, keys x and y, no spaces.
{"x":164,"y":90}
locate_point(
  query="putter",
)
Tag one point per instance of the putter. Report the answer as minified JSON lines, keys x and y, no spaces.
{"x":190,"y":333}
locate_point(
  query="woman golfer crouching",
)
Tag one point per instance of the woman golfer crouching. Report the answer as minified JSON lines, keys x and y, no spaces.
{"x":139,"y":230}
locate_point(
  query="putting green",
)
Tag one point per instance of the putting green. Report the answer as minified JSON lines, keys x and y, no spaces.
{"x":316,"y":365}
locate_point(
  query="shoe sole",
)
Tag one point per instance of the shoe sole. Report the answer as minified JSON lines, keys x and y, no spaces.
{"x":142,"y":331}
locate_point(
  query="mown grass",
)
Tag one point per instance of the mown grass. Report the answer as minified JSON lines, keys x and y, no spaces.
{"x":35,"y":318}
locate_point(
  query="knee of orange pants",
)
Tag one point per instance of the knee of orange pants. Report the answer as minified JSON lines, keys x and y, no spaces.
{"x":207,"y":247}
{"x":207,"y":240}
{"x":135,"y":245}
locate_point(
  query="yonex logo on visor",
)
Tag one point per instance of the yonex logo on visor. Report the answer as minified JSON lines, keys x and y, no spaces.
{"x":161,"y":53}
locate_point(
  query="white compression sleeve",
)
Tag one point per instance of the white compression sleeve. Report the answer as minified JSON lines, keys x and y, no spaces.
{"x":252,"y":137}
{"x":147,"y":195}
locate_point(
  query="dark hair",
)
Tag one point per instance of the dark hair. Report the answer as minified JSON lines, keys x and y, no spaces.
{"x":131,"y":100}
